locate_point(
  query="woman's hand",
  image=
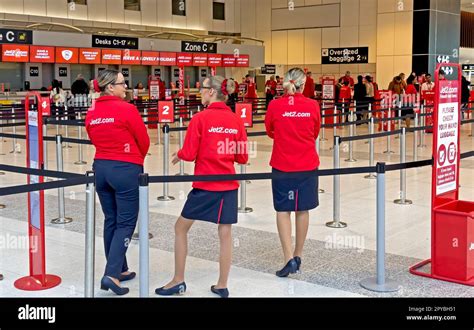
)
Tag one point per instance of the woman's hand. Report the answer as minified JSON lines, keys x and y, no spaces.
{"x":174,"y":158}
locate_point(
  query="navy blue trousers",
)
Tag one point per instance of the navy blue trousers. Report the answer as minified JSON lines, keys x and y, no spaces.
{"x":117,"y":187}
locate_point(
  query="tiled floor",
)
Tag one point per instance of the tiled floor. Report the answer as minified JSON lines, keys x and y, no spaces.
{"x":328,"y":270}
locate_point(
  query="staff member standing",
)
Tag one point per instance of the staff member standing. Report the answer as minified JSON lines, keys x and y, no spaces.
{"x":121,"y":140}
{"x":270,"y":89}
{"x":293,"y":122}
{"x":208,"y":133}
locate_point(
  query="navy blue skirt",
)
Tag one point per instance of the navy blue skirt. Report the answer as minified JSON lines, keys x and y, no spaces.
{"x":214,"y":206}
{"x":291,"y":195}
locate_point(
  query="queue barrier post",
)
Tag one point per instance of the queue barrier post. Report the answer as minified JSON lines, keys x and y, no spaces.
{"x":389,"y":129}
{"x":423,"y":120}
{"x":15,"y":146}
{"x":323,"y":119}
{"x":90,"y":239}
{"x":166,"y":151}
{"x":380,"y":283}
{"x":371,"y":148}
{"x":415,"y":137}
{"x":318,"y":148}
{"x":403,"y":176}
{"x":351,"y":134}
{"x":336,"y":223}
{"x":181,"y":141}
{"x":243,"y":193}
{"x":80,"y":160}
{"x":144,"y":245}
{"x":61,"y":219}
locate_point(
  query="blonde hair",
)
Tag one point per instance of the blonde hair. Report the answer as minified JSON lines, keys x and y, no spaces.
{"x":294,"y":80}
{"x":215,"y":82}
{"x":107,"y":77}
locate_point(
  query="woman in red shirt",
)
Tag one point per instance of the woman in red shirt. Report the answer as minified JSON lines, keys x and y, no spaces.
{"x":410,"y":100}
{"x":215,"y":140}
{"x":293,"y":122}
{"x":121,"y":140}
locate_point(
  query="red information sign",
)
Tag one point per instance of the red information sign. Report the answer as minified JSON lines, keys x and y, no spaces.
{"x":165,"y":112}
{"x":150,"y":58}
{"x":167,"y":59}
{"x":243,"y":61}
{"x":15,"y":53}
{"x":89,"y":56}
{"x":228,"y":60}
{"x":67,"y":55}
{"x":244,"y":111}
{"x":131,"y":57}
{"x":45,"y":104}
{"x":214,"y":60}
{"x":199,"y":59}
{"x":111,"y":56}
{"x":184,"y":59}
{"x":41,"y":54}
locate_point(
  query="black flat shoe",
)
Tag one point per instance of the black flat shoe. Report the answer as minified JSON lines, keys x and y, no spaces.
{"x":128,"y":277}
{"x":107,"y":284}
{"x":298,"y":263}
{"x":177,"y":289}
{"x":223,"y":293}
{"x":290,"y":268}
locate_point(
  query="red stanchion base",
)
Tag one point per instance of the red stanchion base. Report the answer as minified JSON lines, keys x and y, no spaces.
{"x":32,"y":283}
{"x":414,"y":270}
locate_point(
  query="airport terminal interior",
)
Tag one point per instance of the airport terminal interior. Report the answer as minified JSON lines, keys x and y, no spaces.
{"x":165,"y":50}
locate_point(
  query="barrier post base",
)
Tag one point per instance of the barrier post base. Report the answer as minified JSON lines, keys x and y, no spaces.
{"x":165,"y":198}
{"x":370,"y":176}
{"x":33,"y":283}
{"x":2,"y":173}
{"x":136,"y":236}
{"x":403,"y":201}
{"x":80,"y":162}
{"x":389,"y":152}
{"x":321,"y":191}
{"x":61,"y":221}
{"x":372,"y":285}
{"x":351,"y":160}
{"x":179,"y":174}
{"x":245,"y":210}
{"x":2,"y":206}
{"x":336,"y":224}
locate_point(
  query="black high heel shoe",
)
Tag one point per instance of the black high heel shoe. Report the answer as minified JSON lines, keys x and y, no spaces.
{"x":128,"y":277}
{"x":298,"y":263}
{"x":290,"y":268}
{"x":223,"y":293}
{"x":177,"y":289}
{"x":107,"y":284}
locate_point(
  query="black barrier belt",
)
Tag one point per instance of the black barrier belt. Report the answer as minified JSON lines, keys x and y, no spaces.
{"x":404,"y":166}
{"x":64,"y":139}
{"x":34,"y":171}
{"x":13,"y":136}
{"x":369,"y":136}
{"x":250,"y":134}
{"x":419,"y":128}
{"x":467,"y":154}
{"x":46,"y":185}
{"x":347,"y":123}
{"x":467,"y":121}
{"x":65,"y":122}
{"x":261,"y":176}
{"x":13,"y":125}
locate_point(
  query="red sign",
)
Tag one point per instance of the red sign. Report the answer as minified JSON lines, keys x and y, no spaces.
{"x":67,"y":55}
{"x":89,"y":56}
{"x":131,"y":57}
{"x":154,"y":92}
{"x":150,"y":58}
{"x":111,"y":56}
{"x":15,"y":53}
{"x":41,"y":54}
{"x":45,"y":106}
{"x":214,"y":60}
{"x":181,"y":83}
{"x":243,"y":61}
{"x":199,"y":59}
{"x":168,"y":59}
{"x":184,"y":59}
{"x":244,"y":111}
{"x":165,"y":112}
{"x":228,"y":60}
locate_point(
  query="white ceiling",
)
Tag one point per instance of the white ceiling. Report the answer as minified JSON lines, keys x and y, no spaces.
{"x":467,"y":5}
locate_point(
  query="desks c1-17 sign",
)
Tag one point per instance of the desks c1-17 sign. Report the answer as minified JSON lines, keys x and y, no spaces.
{"x":349,"y":55}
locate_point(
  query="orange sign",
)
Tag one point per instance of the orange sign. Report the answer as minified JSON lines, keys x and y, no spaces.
{"x":89,"y":56}
{"x":111,"y":56}
{"x":228,"y":60}
{"x":150,"y":58}
{"x":167,"y":59}
{"x":243,"y":61}
{"x":67,"y":55}
{"x":131,"y":57}
{"x":41,"y":54}
{"x":199,"y":59}
{"x":15,"y":53}
{"x":214,"y":60}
